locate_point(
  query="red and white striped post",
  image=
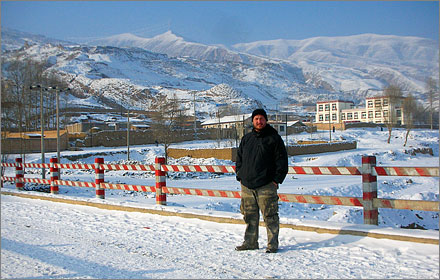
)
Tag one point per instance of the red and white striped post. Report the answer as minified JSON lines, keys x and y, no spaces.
{"x":19,"y":174}
{"x":161,"y":198}
{"x":54,"y":175}
{"x":369,"y":189}
{"x":99,"y":178}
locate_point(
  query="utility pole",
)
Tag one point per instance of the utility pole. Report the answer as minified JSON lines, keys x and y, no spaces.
{"x":195,"y":119}
{"x":43,"y":171}
{"x":128,"y":134}
{"x":286,"y":131}
{"x":329,"y":120}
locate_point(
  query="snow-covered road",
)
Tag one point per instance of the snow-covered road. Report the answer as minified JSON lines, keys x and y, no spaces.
{"x":42,"y":239}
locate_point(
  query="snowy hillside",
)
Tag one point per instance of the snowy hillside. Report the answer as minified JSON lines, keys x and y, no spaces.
{"x":356,"y":62}
{"x":370,"y":57}
{"x":174,"y":46}
{"x":133,"y":72}
{"x":13,"y":39}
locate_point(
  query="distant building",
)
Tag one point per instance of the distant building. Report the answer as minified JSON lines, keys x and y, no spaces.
{"x":377,"y":110}
{"x":234,"y":121}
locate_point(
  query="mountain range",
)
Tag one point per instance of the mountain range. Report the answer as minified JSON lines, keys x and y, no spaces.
{"x":134,"y":72}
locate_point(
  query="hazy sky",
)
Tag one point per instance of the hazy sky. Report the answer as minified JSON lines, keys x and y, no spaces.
{"x":222,"y":22}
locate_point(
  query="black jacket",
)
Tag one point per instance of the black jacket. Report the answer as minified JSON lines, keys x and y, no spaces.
{"x":261,"y":158}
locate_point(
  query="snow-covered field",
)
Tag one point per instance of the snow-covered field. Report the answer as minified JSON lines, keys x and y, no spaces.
{"x":42,"y":239}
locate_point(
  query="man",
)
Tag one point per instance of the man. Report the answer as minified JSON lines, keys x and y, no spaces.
{"x":260,"y":167}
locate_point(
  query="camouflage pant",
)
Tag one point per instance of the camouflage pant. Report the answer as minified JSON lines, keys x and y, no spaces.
{"x":264,"y":198}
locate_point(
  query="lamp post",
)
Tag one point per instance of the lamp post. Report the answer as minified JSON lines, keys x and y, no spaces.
{"x":57,"y":91}
{"x":128,"y":134}
{"x":58,"y":121}
{"x":43,"y":171}
{"x":195,"y":118}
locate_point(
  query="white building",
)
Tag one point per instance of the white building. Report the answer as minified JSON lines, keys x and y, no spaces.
{"x":333,"y":109}
{"x":227,"y":121}
{"x":376,"y":110}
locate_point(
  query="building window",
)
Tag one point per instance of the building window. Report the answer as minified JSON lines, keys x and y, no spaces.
{"x":281,"y":128}
{"x":385,"y":102}
{"x":327,"y":107}
{"x":363,"y":115}
{"x":370,"y":103}
{"x":334,"y":107}
{"x":349,"y":116}
{"x":377,"y":114}
{"x":334,"y":117}
{"x":385,"y":113}
{"x":356,"y":115}
{"x":377,"y":103}
{"x":327,"y":117}
{"x":321,"y":118}
{"x":320,"y":108}
{"x":343,"y":116}
{"x":370,"y":114}
{"x":398,"y":113}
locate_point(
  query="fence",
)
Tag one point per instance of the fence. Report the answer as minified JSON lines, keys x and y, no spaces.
{"x":369,"y":172}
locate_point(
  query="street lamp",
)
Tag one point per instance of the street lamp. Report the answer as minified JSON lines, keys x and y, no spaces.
{"x":43,"y":175}
{"x":128,"y":134}
{"x":195,"y":119}
{"x":57,"y":90}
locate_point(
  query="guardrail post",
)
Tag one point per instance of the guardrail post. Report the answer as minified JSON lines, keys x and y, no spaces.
{"x":99,"y":178}
{"x":19,"y":174}
{"x":161,"y":198}
{"x":369,"y":189}
{"x":54,"y":175}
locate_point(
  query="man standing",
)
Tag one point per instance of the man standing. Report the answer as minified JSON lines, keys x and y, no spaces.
{"x":260,"y":167}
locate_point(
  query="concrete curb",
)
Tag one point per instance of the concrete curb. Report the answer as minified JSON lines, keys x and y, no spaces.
{"x":226,"y":220}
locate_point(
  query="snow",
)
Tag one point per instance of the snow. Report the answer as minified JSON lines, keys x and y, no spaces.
{"x":43,"y":239}
{"x":267,"y":72}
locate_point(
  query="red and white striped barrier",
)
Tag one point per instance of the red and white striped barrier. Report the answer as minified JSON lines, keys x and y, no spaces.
{"x":36,"y":165}
{"x":161,"y":198}
{"x":203,"y":192}
{"x":322,"y":199}
{"x":199,"y":168}
{"x":6,"y":178}
{"x":35,"y":181}
{"x":136,"y":188}
{"x":6,"y":164}
{"x":19,"y":174}
{"x":54,"y":175}
{"x":369,"y":188}
{"x":369,"y":172}
{"x":75,"y":184}
{"x":407,"y":171}
{"x":99,"y":178}
{"x":323,"y":170}
{"x":300,"y":170}
{"x":75,"y":166}
{"x":131,"y":167}
{"x":421,"y":205}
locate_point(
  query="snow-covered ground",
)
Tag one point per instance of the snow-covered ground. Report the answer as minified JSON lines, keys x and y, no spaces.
{"x":42,"y":239}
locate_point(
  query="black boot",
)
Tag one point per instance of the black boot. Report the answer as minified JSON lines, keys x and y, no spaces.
{"x":246,"y":246}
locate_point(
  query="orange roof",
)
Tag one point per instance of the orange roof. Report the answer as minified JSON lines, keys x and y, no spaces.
{"x":29,"y":134}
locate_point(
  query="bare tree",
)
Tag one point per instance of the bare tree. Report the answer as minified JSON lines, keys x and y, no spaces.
{"x":165,"y":120}
{"x":394,"y":95}
{"x":432,"y":87}
{"x":409,"y":107}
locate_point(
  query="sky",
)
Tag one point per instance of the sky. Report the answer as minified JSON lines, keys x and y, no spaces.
{"x":222,"y":22}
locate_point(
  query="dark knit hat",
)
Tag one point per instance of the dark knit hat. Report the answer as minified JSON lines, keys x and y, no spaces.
{"x":259,"y":112}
